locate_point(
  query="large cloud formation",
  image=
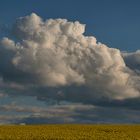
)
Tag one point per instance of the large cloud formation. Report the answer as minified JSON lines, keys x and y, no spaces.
{"x":55,"y":54}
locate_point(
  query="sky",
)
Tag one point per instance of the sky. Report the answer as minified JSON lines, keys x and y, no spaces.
{"x":69,"y":61}
{"x":116,"y":23}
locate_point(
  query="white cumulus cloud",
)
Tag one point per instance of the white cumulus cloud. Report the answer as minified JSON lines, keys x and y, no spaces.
{"x":55,"y":53}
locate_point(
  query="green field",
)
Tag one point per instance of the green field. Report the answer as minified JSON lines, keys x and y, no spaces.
{"x":70,"y":132}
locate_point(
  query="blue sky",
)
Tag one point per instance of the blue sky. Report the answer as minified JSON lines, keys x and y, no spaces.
{"x":113,"y":22}
{"x":57,"y":73}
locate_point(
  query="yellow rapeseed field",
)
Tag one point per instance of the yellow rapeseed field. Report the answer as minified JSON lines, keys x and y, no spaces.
{"x":70,"y":132}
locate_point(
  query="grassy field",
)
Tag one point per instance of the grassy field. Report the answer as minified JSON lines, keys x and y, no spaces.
{"x":70,"y":132}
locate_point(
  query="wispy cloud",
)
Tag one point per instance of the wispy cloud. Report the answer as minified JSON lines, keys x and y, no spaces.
{"x":72,"y":113}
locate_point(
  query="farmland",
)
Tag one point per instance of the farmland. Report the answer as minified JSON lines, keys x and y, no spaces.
{"x":70,"y":132}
